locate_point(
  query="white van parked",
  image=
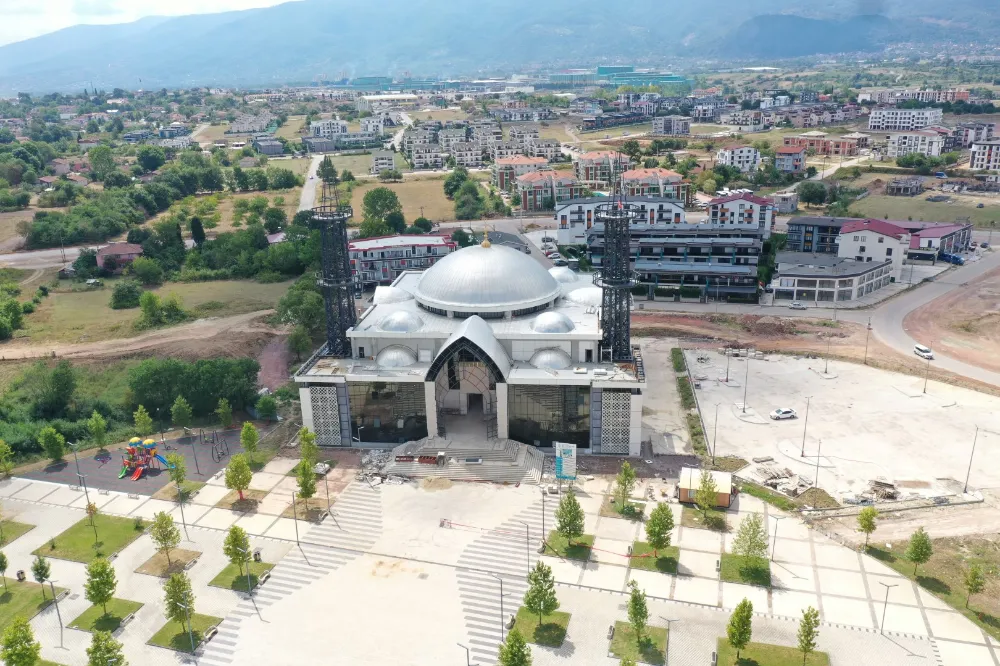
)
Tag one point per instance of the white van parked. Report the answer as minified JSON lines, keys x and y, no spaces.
{"x":923,"y":352}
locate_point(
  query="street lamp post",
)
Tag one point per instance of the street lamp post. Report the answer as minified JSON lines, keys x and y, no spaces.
{"x":194,"y":453}
{"x":885,"y":605}
{"x":501,"y":606}
{"x":468,"y":662}
{"x":527,"y":543}
{"x":544,"y":533}
{"x":666,"y":654}
{"x":745,"y":382}
{"x":715,"y":432}
{"x":969,"y":471}
{"x":55,"y":600}
{"x":927,"y":374}
{"x":295,"y":517}
{"x":805,"y":424}
{"x":187,"y":614}
{"x":249,"y":586}
{"x":868,"y":332}
{"x":826,"y":366}
{"x":729,"y":356}
{"x":774,"y":544}
{"x":80,"y":477}
{"x":819,"y":448}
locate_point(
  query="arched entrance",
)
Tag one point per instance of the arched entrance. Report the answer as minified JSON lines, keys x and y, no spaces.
{"x":465,"y":379}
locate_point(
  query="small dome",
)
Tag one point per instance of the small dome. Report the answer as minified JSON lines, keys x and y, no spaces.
{"x":551,"y":359}
{"x":401,"y":322}
{"x":563,"y":274}
{"x":586,"y":296}
{"x":384,"y":295}
{"x":395,"y":357}
{"x":552,"y":322}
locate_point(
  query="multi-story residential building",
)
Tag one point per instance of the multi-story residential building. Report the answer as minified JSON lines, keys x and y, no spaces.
{"x":790,"y":159}
{"x":896,"y":95}
{"x":613,"y":119}
{"x":381,"y":259}
{"x":251,"y":124}
{"x":744,"y":210}
{"x":967,"y":134}
{"x":576,"y":216}
{"x":985,"y":155}
{"x":375,"y":103}
{"x":268,"y":146}
{"x":823,"y":144}
{"x":586,"y":106}
{"x":874,"y":241}
{"x":672,"y":125}
{"x":374,"y":124}
{"x":818,"y":278}
{"x":814,"y":234}
{"x":485,"y":133}
{"x":657,"y":182}
{"x":383,"y":160}
{"x":503,"y":149}
{"x":427,"y":156}
{"x":822,"y":235}
{"x":597,"y":168}
{"x":550,"y":149}
{"x":522,"y":115}
{"x":521,"y":136}
{"x":925,"y":142}
{"x":466,"y":154}
{"x":744,"y":158}
{"x":506,"y":171}
{"x":889,"y":119}
{"x":745,"y":120}
{"x":447,"y":137}
{"x":328,"y":128}
{"x":544,"y":190}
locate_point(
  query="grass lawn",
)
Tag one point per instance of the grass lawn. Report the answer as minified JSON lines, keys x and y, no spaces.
{"x":737,"y":569}
{"x":783,"y":502}
{"x":230,"y":578}
{"x":158,"y":565}
{"x":84,"y":316}
{"x":174,"y":636}
{"x":291,"y":197}
{"x":213,"y":133}
{"x":169,"y":491}
{"x":359,"y":165}
{"x":708,"y":129}
{"x":611,"y":509}
{"x":414,"y":194}
{"x":558,"y":545}
{"x":556,"y":132}
{"x":643,"y":558}
{"x":297,"y":165}
{"x":551,"y":632}
{"x":24,"y":599}
{"x":94,"y":618}
{"x":616,"y":132}
{"x":311,"y":509}
{"x":451,"y":113}
{"x":77,"y":543}
{"x":12,"y":530}
{"x":693,"y":517}
{"x":9,"y":221}
{"x":902,"y":208}
{"x":728,"y":464}
{"x":652,"y":650}
{"x":249,"y":502}
{"x":763,"y":654}
{"x":292,"y":127}
{"x":944,"y":575}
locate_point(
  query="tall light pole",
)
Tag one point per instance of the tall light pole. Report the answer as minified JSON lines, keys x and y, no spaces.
{"x":527,"y":543}
{"x":80,"y":477}
{"x":468,"y":662}
{"x":868,"y":332}
{"x":715,"y":432}
{"x":55,"y":600}
{"x":729,"y":355}
{"x":295,"y":518}
{"x":927,"y":373}
{"x":501,"y":606}
{"x":544,"y":533}
{"x":249,"y":586}
{"x":666,"y":654}
{"x":826,"y":367}
{"x":969,"y":471}
{"x":805,"y":424}
{"x":819,"y":448}
{"x":187,"y":613}
{"x":745,"y":382}
{"x":885,"y":605}
{"x":774,"y":545}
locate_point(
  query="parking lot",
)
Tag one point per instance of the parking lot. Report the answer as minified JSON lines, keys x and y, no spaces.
{"x":864,"y":423}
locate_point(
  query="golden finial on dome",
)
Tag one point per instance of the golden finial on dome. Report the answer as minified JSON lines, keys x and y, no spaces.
{"x":486,"y":239}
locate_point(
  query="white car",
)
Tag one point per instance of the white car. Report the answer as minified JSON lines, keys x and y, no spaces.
{"x":783,"y":413}
{"x":923,"y":352}
{"x":796,"y":305}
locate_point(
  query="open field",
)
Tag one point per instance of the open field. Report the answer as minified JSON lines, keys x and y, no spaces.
{"x":9,"y":222}
{"x":212,"y":133}
{"x":290,"y":206}
{"x":298,"y":165}
{"x":556,"y":131}
{"x":84,"y":316}
{"x":616,"y":132}
{"x":292,"y":128}
{"x":708,"y":129}
{"x":444,"y":115}
{"x":918,"y":208}
{"x":360,"y":165}
{"x":413,"y":194}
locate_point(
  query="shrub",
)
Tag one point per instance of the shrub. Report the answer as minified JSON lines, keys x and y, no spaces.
{"x":126,"y":294}
{"x":27,"y":307}
{"x":147,"y":271}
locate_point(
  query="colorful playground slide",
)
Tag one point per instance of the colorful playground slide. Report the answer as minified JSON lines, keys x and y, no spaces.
{"x":139,"y":456}
{"x":164,"y":461}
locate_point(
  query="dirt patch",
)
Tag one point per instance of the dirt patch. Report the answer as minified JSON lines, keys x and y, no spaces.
{"x":274,"y":360}
{"x":965,"y":323}
{"x":432,"y":484}
{"x":158,"y":566}
{"x":311,"y":510}
{"x":251,"y":498}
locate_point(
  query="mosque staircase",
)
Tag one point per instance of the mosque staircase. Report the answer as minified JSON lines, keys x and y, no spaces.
{"x":496,"y":461}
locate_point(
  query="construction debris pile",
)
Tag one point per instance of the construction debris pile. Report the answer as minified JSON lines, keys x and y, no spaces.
{"x":879,"y":490}
{"x":768,"y":473}
{"x":372,"y":471}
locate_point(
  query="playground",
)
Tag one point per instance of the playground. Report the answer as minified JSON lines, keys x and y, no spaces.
{"x":140,"y":467}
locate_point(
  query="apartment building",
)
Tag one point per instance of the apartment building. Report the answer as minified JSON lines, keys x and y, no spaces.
{"x":576,"y":216}
{"x":744,"y":158}
{"x":466,"y":154}
{"x":819,"y":278}
{"x":506,"y":171}
{"x":745,"y":120}
{"x":427,"y":156}
{"x":418,"y":137}
{"x":597,"y":168}
{"x":888,"y":119}
{"x":503,"y":149}
{"x":925,"y":142}
{"x":544,"y":190}
{"x":374,"y":124}
{"x":486,"y":132}
{"x":745,"y":210}
{"x":874,"y":241}
{"x":383,"y":160}
{"x":375,"y":103}
{"x":328,"y":129}
{"x":550,"y":149}
{"x":381,"y":259}
{"x":967,"y":134}
{"x":526,"y":115}
{"x":447,"y":137}
{"x":985,"y":155}
{"x":823,"y":235}
{"x":790,"y":159}
{"x":896,"y":95}
{"x":823,"y":144}
{"x":672,"y":125}
{"x":656,"y":182}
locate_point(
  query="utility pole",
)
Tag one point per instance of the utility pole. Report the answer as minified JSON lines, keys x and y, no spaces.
{"x":868,"y":332}
{"x":881,"y":628}
{"x":969,"y":471}
{"x":819,"y":448}
{"x":927,"y":374}
{"x":826,"y":366}
{"x":715,"y":432}
{"x":745,"y":382}
{"x":805,"y":424}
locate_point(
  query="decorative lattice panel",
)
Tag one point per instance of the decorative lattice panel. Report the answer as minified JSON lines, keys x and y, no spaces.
{"x":616,"y":412}
{"x":326,"y":415}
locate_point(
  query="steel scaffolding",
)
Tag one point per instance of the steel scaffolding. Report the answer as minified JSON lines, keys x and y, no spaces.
{"x":335,"y":280}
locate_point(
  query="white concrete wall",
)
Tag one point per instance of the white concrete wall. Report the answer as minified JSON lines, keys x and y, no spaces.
{"x":849,"y":248}
{"x":503,"y":427}
{"x":305,"y":399}
{"x":635,"y":427}
{"x":523,"y":350}
{"x":430,"y":405}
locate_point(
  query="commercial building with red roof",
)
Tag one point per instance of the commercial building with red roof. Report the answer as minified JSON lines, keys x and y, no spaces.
{"x":506,"y":170}
{"x":543,"y":190}
{"x":656,"y":182}
{"x":874,"y":241}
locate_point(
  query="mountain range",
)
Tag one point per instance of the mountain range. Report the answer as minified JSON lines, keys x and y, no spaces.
{"x":312,"y":39}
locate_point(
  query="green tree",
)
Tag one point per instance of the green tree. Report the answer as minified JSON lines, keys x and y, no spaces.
{"x":58,"y":389}
{"x":632,"y":149}
{"x":18,"y":646}
{"x":197,"y":231}
{"x":125,"y":295}
{"x":101,"y":583}
{"x":165,"y":534}
{"x":177,"y":470}
{"x":6,"y":458}
{"x":237,"y":547}
{"x":327,"y":172}
{"x":975,"y":581}
{"x":249,"y":437}
{"x":867,"y":522}
{"x":808,"y":632}
{"x":143,"y":422}
{"x":462,"y":238}
{"x":624,"y":485}
{"x":751,"y":538}
{"x":541,"y":595}
{"x":299,"y":342}
{"x":396,"y":221}
{"x":150,"y":158}
{"x":308,"y":450}
{"x":180,"y":412}
{"x":658,"y":527}
{"x":569,"y":517}
{"x":638,"y":612}
{"x":514,"y":651}
{"x":811,"y":193}
{"x":373,"y":229}
{"x":267,"y":408}
{"x":378,"y":203}
{"x":52,"y":443}
{"x":101,"y":161}
{"x":3,"y":569}
{"x":104,"y":650}
{"x":148,"y":271}
{"x":98,"y":428}
{"x":455,"y":180}
{"x":306,"y":478}
{"x":238,"y":474}
{"x":224,"y":412}
{"x":177,"y":594}
{"x":919,"y":549}
{"x":41,"y":571}
{"x":707,"y":494}
{"x":740,"y":629}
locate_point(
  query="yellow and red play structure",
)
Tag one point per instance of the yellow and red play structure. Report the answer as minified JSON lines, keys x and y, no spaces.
{"x":139,"y":456}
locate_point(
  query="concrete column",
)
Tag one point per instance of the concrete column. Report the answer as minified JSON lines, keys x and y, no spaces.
{"x":430,"y":405}
{"x":635,"y":426}
{"x":503,"y":427}
{"x":305,"y":399}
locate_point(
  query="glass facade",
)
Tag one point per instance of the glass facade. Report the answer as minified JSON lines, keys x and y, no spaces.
{"x":541,"y":415}
{"x":387,"y":412}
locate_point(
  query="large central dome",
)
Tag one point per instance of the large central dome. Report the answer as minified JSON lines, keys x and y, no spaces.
{"x":486,"y":278}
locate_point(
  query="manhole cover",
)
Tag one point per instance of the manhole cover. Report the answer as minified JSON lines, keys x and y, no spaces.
{"x":423,"y":576}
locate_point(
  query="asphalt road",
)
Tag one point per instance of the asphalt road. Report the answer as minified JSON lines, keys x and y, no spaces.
{"x":51,"y":258}
{"x":308,"y":198}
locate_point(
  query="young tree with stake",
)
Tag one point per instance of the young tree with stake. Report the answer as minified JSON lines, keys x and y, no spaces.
{"x":237,"y":547}
{"x":143,"y":422}
{"x":624,"y":485}
{"x":98,"y":428}
{"x":41,"y":571}
{"x":180,"y":412}
{"x":540,"y":598}
{"x":808,"y":632}
{"x":638,"y":612}
{"x":238,"y":474}
{"x":101,"y":583}
{"x":751,"y":538}
{"x":177,"y":594}
{"x":249,"y":437}
{"x":707,"y":494}
{"x":177,"y":470}
{"x":658,"y":527}
{"x":3,"y":569}
{"x":919,"y":549}
{"x":224,"y":412}
{"x":569,"y":517}
{"x":104,"y":650}
{"x":165,"y":534}
{"x":975,"y":581}
{"x":740,"y":629}
{"x":867,"y":522}
{"x":514,"y":651}
{"x":18,"y":646}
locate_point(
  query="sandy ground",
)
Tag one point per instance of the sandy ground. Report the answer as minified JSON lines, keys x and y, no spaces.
{"x":964,"y":324}
{"x":274,"y":360}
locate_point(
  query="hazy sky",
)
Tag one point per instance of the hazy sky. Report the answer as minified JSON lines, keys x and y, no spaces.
{"x":22,"y":19}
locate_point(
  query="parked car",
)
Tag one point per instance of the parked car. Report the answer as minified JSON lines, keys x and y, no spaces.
{"x":796,"y":305}
{"x":548,"y":239}
{"x":560,"y":262}
{"x":783,"y":413}
{"x":923,"y":352}
{"x":985,"y":246}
